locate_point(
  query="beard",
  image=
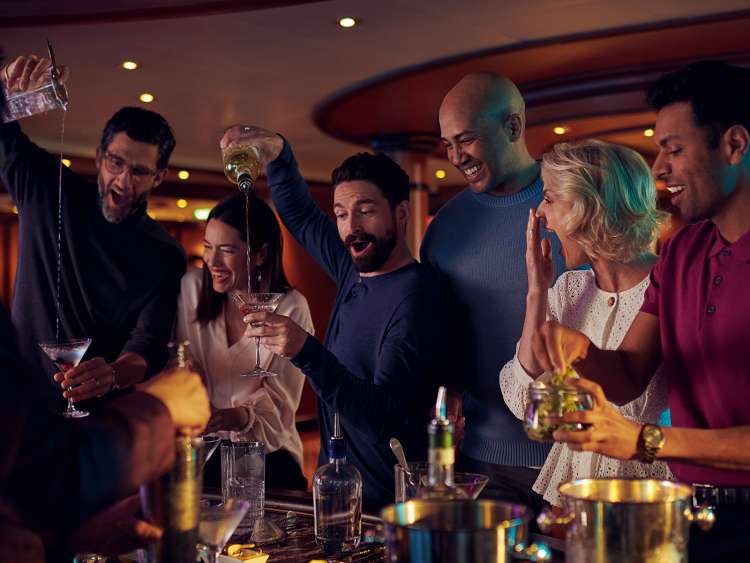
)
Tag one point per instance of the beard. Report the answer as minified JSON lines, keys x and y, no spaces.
{"x":379,"y":253}
{"x":117,"y":213}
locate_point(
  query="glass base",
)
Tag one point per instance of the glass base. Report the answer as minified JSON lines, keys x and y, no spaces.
{"x":75,"y":413}
{"x":265,"y":532}
{"x":259,"y":372}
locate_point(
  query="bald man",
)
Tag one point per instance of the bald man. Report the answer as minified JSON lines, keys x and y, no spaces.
{"x":477,"y":242}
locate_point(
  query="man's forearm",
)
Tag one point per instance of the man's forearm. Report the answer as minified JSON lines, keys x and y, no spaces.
{"x":615,"y":371}
{"x":724,"y":448}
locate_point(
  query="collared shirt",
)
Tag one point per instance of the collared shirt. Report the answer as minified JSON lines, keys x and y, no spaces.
{"x":700,"y":292}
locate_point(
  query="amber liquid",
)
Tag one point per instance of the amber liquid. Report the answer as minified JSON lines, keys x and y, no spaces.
{"x":239,"y":160}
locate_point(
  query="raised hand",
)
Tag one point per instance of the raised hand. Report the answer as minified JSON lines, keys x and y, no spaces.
{"x":538,"y":259}
{"x":29,"y":73}
{"x":267,"y":142}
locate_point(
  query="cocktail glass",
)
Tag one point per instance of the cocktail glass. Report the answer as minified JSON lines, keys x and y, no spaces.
{"x":256,"y":303}
{"x":218,"y":522}
{"x":471,"y":483}
{"x":66,"y":355}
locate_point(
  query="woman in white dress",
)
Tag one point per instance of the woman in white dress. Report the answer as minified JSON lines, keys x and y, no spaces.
{"x":244,"y":408}
{"x":600,"y":200}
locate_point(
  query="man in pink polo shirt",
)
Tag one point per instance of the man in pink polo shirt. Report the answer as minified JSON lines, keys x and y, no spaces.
{"x":695,"y":319}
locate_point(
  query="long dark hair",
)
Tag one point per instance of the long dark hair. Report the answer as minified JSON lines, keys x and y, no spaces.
{"x":264,"y":231}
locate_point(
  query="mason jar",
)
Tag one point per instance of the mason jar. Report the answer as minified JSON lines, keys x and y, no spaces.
{"x":546,"y":401}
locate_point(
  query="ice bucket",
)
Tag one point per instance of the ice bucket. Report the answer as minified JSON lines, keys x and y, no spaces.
{"x":638,"y":521}
{"x":459,"y":531}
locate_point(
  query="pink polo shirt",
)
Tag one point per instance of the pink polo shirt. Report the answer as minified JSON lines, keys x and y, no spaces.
{"x":700,"y":290}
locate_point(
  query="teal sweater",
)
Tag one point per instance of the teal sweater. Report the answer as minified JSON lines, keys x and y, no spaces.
{"x":478,"y":243}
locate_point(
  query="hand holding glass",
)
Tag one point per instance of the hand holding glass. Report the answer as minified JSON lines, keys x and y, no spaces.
{"x":257,"y":303}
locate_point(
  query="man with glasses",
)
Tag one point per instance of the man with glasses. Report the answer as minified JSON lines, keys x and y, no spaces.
{"x":119,"y":270}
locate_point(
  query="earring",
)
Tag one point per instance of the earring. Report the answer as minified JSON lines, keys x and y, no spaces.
{"x":258,"y":280}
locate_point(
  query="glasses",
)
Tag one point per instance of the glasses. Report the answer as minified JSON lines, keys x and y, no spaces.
{"x":116,"y":165}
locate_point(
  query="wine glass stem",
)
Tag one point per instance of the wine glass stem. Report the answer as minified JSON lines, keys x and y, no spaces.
{"x":213,"y":554}
{"x":257,"y":352}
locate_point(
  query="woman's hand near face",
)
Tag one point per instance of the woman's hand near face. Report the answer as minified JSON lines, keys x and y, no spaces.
{"x":538,"y":259}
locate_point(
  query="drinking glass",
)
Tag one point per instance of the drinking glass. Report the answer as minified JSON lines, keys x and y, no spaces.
{"x":218,"y":522}
{"x":67,"y":354}
{"x":243,"y":477}
{"x":256,"y":303}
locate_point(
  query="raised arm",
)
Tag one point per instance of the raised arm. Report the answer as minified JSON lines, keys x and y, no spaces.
{"x":292,"y":199}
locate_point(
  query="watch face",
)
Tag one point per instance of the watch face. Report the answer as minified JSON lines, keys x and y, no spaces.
{"x":652,"y":435}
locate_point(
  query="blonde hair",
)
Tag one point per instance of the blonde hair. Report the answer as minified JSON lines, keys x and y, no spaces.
{"x":614,"y":215}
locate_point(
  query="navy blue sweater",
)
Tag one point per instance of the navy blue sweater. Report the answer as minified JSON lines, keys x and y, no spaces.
{"x":378,"y":366}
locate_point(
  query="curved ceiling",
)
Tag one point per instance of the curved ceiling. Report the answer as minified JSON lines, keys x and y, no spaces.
{"x":211,"y":68}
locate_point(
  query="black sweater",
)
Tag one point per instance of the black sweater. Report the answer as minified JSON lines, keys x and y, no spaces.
{"x":119,"y":282}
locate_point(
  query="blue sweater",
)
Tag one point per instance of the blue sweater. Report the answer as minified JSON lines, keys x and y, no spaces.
{"x":478,"y":243}
{"x":377,"y":366}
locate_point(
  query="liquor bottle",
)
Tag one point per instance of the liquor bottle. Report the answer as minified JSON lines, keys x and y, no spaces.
{"x":441,"y":456}
{"x":337,"y":499}
{"x":173,"y":501}
{"x":242,"y":165}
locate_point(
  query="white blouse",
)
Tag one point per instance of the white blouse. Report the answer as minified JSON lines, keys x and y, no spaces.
{"x":271,"y":401}
{"x":576,"y":301}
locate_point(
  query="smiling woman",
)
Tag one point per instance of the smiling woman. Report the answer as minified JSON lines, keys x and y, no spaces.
{"x":244,"y":409}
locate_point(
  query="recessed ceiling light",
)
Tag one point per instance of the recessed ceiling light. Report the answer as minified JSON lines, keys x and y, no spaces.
{"x":347,"y":22}
{"x":129,"y":65}
{"x":440,"y":174}
{"x":146,"y":98}
{"x":66,"y":162}
{"x":201,"y":213}
{"x":648,"y":132}
{"x":183,"y":174}
{"x":560,"y":130}
{"x":182,"y":203}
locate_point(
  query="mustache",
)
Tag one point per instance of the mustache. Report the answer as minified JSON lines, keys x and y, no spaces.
{"x":362,"y":237}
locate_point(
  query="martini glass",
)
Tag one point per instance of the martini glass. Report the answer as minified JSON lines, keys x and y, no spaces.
{"x":66,"y":355}
{"x":218,"y":523}
{"x":256,"y":303}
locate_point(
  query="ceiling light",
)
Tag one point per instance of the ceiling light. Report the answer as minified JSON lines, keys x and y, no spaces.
{"x":648,"y":132}
{"x":201,"y":213}
{"x":183,"y":174}
{"x":146,"y":98}
{"x":560,"y":130}
{"x":347,"y":22}
{"x":182,"y":203}
{"x":440,"y":174}
{"x":129,"y":65}
{"x":66,"y":162}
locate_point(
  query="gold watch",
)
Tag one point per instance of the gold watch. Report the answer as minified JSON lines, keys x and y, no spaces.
{"x":650,"y":441}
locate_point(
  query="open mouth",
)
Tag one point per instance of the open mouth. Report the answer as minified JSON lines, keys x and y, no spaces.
{"x":220,"y":277}
{"x":359,"y":247}
{"x":674,"y":190}
{"x":472,"y":172}
{"x":119,"y":199}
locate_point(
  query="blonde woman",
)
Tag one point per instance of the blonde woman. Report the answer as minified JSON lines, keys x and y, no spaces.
{"x":600,"y":200}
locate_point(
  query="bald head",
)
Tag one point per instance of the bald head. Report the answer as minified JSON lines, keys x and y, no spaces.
{"x":484,"y":96}
{"x":482,"y":121}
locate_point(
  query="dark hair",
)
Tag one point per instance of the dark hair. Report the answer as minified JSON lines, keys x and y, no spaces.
{"x":718,"y":92}
{"x":264,"y":231}
{"x":143,"y":126}
{"x":378,"y":169}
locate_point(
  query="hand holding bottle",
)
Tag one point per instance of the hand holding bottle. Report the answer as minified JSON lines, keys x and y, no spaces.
{"x":268,"y":143}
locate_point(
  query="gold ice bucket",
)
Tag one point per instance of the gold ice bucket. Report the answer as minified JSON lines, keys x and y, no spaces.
{"x":459,"y":531}
{"x":617,"y":520}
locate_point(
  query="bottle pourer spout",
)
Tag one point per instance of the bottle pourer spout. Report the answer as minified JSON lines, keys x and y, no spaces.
{"x":441,"y":406}
{"x":245,"y":182}
{"x":336,"y":426}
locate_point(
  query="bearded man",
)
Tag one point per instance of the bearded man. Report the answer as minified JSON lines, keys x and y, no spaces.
{"x":377,"y":369}
{"x":119,"y":272}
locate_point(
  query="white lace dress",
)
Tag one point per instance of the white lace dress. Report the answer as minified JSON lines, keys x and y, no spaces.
{"x":576,"y":301}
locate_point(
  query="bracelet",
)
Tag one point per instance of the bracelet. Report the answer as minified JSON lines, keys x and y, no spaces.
{"x":115,"y":380}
